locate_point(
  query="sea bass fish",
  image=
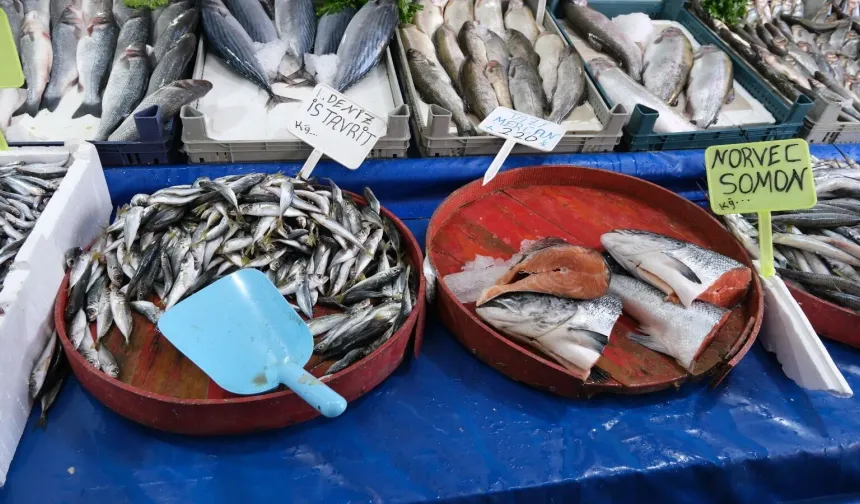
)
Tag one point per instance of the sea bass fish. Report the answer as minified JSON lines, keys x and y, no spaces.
{"x":330,"y":30}
{"x":479,"y":93}
{"x":570,"y":90}
{"x":549,"y":48}
{"x":498,"y":78}
{"x":365,"y":41}
{"x":173,"y":63}
{"x":710,"y":85}
{"x":669,"y":328}
{"x":553,"y":266}
{"x":64,"y":72}
{"x":134,"y":31}
{"x":173,"y":32}
{"x":170,"y":98}
{"x":95,"y":53}
{"x":37,"y":58}
{"x":574,"y":333}
{"x":125,"y":88}
{"x":525,"y":87}
{"x":429,"y":18}
{"x":668,"y":61}
{"x":449,"y":53}
{"x":435,"y":89}
{"x":680,"y":269}
{"x":520,"y":17}
{"x":489,"y":14}
{"x":603,"y":35}
{"x":413,"y":38}
{"x":457,"y":12}
{"x":621,"y":88}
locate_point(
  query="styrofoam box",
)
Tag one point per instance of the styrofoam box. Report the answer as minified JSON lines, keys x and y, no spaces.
{"x":77,"y":212}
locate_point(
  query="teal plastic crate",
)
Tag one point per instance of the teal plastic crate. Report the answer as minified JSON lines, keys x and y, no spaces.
{"x":639,"y":132}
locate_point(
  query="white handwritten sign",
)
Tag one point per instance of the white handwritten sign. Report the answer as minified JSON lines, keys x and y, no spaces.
{"x":518,"y":128}
{"x":336,"y":126}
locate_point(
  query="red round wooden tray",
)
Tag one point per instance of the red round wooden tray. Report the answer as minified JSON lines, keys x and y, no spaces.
{"x":160,"y":388}
{"x":828,"y":319}
{"x":578,"y":204}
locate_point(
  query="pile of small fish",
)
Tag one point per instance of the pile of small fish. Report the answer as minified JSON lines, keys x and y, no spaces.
{"x":658,"y":75}
{"x":564,"y":300}
{"x":350,"y":41}
{"x":25,"y":190}
{"x":473,"y":53}
{"x":816,"y":55}
{"x":817,"y":249}
{"x":103,"y":49}
{"x":316,"y":245}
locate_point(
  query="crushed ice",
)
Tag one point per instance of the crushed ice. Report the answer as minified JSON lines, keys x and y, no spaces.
{"x":480,"y":273}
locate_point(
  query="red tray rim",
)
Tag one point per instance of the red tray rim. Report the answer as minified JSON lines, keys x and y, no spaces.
{"x":406,"y":330}
{"x":719,"y":370}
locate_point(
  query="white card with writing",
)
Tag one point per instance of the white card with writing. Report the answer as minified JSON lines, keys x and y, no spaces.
{"x":522,"y":128}
{"x":337,"y":126}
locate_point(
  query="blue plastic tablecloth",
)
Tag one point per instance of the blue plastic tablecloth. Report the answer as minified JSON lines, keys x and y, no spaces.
{"x":447,"y":427}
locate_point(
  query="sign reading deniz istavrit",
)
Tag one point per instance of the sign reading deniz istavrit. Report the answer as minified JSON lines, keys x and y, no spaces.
{"x":761,"y":176}
{"x":342,"y":129}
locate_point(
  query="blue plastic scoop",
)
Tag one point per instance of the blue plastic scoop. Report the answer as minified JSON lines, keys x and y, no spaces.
{"x":242,"y":333}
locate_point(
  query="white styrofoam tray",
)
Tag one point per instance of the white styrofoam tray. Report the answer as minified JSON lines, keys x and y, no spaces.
{"x":744,"y":110}
{"x":581,"y":120}
{"x":235,"y":108}
{"x":77,"y":212}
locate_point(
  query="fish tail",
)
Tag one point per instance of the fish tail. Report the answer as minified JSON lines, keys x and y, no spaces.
{"x":50,"y":103}
{"x":42,"y":423}
{"x":275,"y":100}
{"x":649,"y":342}
{"x":93,"y":109}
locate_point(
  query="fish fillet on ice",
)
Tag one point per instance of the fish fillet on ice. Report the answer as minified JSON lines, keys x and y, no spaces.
{"x":553,"y":266}
{"x":680,"y":269}
{"x":669,"y":328}
{"x":572,"y":332}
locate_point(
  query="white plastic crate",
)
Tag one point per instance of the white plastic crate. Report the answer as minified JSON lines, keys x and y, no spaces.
{"x":77,"y":212}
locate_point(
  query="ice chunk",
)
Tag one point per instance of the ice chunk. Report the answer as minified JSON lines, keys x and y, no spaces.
{"x":637,"y":26}
{"x":322,"y":68}
{"x":481,"y":273}
{"x":270,"y":55}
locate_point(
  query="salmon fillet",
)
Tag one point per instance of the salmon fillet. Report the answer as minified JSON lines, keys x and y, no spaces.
{"x":728,"y":290}
{"x":553,"y":266}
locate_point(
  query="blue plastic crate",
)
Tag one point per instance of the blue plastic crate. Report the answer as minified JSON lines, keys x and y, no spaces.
{"x":157,"y":144}
{"x":639,"y":133}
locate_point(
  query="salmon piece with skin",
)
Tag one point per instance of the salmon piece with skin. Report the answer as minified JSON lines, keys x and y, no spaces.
{"x":553,"y":266}
{"x":683,"y":271}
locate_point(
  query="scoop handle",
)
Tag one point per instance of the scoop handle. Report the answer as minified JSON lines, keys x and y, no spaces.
{"x":313,"y":391}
